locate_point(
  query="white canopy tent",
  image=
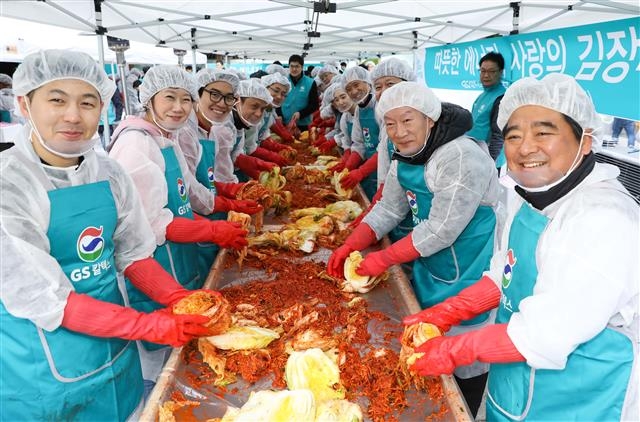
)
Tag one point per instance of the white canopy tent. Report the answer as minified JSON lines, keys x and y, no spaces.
{"x":19,"y":38}
{"x":274,"y":29}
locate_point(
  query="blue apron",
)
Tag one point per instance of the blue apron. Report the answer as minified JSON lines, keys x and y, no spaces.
{"x":178,"y":259}
{"x":447,"y":272}
{"x":296,"y":100}
{"x":594,"y":382}
{"x":481,"y":112}
{"x":65,"y":375}
{"x":205,"y":175}
{"x":370,"y":135}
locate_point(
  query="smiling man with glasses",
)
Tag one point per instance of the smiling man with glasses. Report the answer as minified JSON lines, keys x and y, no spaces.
{"x":485,"y":131}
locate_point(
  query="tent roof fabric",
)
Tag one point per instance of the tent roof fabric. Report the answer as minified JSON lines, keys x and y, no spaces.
{"x":275,"y":29}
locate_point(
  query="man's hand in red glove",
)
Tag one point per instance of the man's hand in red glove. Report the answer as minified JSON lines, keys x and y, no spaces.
{"x":470,"y":302}
{"x":228,"y":235}
{"x":246,"y":206}
{"x":228,"y":190}
{"x":272,"y":145}
{"x":375,"y":263}
{"x":279,"y":129}
{"x":223,"y":233}
{"x":97,"y":318}
{"x":442,"y":355}
{"x":359,"y":239}
{"x":252,"y":166}
{"x":354,"y":161}
{"x":342,"y":163}
{"x":374,"y":200}
{"x":270,"y":156}
{"x":327,"y":146}
{"x":352,"y":179}
{"x":357,"y":175}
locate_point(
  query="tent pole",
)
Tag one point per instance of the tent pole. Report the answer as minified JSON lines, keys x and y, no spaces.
{"x":106,"y":134}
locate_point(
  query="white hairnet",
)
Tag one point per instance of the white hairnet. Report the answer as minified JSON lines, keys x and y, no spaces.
{"x":556,"y":91}
{"x":356,"y":73}
{"x":206,"y":76}
{"x":315,"y":72}
{"x":328,"y":69}
{"x":393,"y":67}
{"x":252,"y":88}
{"x":5,"y":79}
{"x":137,"y":72}
{"x":276,"y":68}
{"x":333,"y":63}
{"x":167,"y":76}
{"x":410,"y":94}
{"x":276,"y":78}
{"x":327,"y":96}
{"x":46,"y":66}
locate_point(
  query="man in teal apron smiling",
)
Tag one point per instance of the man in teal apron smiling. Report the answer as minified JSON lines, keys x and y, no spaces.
{"x":450,"y":187}
{"x":71,"y":220}
{"x":564,"y":279}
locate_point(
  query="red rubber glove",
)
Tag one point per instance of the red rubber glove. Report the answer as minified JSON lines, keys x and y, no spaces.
{"x":151,"y":279}
{"x":319,"y":141}
{"x":330,"y":122}
{"x":279,"y":129}
{"x":228,"y":190}
{"x":252,"y":166}
{"x":469,"y":303}
{"x":272,"y":145}
{"x":354,"y":161}
{"x":342,"y":163}
{"x":375,"y":263}
{"x":359,"y":239}
{"x":374,"y":200}
{"x":442,"y":355}
{"x":97,"y":318}
{"x":356,"y":176}
{"x":327,"y":146}
{"x":223,"y":233}
{"x":270,"y":156}
{"x":246,"y":206}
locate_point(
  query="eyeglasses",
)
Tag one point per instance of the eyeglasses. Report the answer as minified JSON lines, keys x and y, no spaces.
{"x":488,"y":71}
{"x":216,"y":96}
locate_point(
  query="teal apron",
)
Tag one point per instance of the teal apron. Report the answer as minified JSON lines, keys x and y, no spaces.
{"x":205,"y":175}
{"x":594,"y":382}
{"x":297,"y":99}
{"x":65,"y":375}
{"x":370,"y":136}
{"x":447,"y":272}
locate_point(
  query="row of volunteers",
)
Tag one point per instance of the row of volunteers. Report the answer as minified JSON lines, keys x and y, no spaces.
{"x":98,"y":248}
{"x":540,"y":290}
{"x":105,"y":245}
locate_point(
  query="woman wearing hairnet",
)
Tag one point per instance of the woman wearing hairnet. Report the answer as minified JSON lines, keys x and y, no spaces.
{"x":278,"y":87}
{"x":145,"y":146}
{"x":255,"y":136}
{"x":451,"y":188}
{"x":247,"y":116}
{"x":330,"y":115}
{"x":364,"y":136}
{"x":346,"y":108}
{"x":70,"y":219}
{"x":204,"y":153}
{"x":564,"y":278}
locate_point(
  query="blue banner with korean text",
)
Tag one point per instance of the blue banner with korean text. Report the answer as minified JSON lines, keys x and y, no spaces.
{"x":603,"y":57}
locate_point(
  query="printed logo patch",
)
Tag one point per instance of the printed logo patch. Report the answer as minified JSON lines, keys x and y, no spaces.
{"x":182,"y":190}
{"x":508,"y":269}
{"x":413,"y":203}
{"x":90,"y":244}
{"x":210,"y":176}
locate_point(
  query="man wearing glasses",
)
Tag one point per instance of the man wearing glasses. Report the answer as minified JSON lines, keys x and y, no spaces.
{"x":302,"y":100}
{"x":485,"y":131}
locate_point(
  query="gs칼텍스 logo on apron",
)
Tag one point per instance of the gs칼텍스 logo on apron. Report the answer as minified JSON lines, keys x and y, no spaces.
{"x":90,"y":244}
{"x":182,"y":190}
